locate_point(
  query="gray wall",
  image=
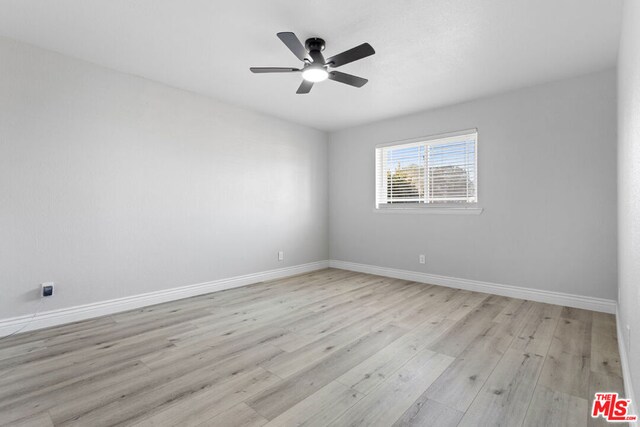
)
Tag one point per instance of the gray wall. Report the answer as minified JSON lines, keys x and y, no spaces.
{"x":629,"y":184}
{"x":112,"y":185}
{"x":547,"y":182}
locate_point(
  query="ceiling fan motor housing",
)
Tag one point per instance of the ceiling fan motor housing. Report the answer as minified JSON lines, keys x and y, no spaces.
{"x":314,"y":43}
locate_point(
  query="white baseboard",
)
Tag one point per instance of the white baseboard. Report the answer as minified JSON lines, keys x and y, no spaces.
{"x":87,"y":311}
{"x":559,"y":298}
{"x":624,"y":363}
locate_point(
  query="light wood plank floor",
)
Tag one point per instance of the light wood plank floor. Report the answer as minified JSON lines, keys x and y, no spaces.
{"x":332,"y":347}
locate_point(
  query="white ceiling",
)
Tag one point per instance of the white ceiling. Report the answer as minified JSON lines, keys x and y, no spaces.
{"x":429,"y":53}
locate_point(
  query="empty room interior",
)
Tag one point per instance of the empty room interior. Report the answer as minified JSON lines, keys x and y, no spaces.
{"x":336,"y":213}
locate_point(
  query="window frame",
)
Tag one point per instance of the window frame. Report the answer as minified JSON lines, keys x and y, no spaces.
{"x":469,"y":208}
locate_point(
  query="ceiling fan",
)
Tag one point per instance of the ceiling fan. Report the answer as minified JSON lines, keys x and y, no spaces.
{"x":316,"y":68}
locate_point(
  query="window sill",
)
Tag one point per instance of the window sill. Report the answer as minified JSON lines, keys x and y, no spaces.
{"x":430,"y":210}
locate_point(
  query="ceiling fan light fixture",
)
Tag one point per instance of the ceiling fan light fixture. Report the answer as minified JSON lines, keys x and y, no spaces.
{"x":315,"y":67}
{"x":315,"y":74}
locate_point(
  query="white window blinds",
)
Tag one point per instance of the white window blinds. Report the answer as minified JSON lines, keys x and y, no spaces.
{"x":436,"y":171}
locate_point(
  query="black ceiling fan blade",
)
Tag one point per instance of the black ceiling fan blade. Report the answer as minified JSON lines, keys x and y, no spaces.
{"x":273,"y":70}
{"x":348,"y":79}
{"x":294,"y":45}
{"x":351,"y":55}
{"x":305,"y":87}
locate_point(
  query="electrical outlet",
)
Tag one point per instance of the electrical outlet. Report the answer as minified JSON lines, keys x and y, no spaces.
{"x":47,"y":289}
{"x":281,"y":256}
{"x":422,"y":259}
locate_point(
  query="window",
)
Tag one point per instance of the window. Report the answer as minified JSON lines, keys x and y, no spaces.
{"x":438,"y":171}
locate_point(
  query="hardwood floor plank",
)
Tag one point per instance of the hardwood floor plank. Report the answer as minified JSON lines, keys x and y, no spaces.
{"x":385,"y":404}
{"x":475,"y":323}
{"x":207,"y":401}
{"x":320,"y":408}
{"x":129,"y":408}
{"x":288,"y":363}
{"x":294,"y":389}
{"x":331,"y":347}
{"x":504,"y":398}
{"x":38,"y":420}
{"x":566,"y":373}
{"x":567,"y":366}
{"x":460,"y":383}
{"x":214,"y":350}
{"x":599,"y":382}
{"x":86,"y":326}
{"x":576,"y":314}
{"x":159,"y":386}
{"x":573,"y":337}
{"x":463,"y":379}
{"x":72,"y":397}
{"x":22,"y":349}
{"x":240,"y":415}
{"x":116,"y":333}
{"x":427,"y":413}
{"x":508,"y":311}
{"x":76,"y":364}
{"x":539,"y":328}
{"x":377,"y":368}
{"x":33,"y":393}
{"x":551,"y":408}
{"x":604,"y":345}
{"x":461,"y":303}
